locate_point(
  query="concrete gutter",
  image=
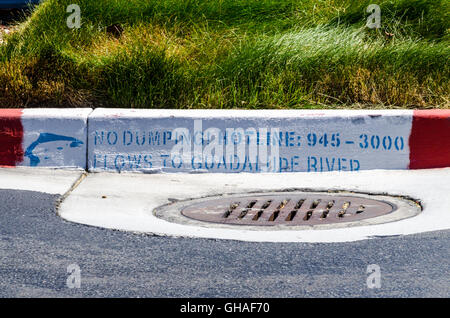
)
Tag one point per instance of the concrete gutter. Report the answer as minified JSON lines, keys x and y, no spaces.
{"x":129,"y":201}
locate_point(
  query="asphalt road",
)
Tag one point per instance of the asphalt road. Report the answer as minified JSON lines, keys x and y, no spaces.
{"x":36,"y":247}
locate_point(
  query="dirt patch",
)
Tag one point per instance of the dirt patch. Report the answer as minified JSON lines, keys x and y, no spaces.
{"x":4,"y":30}
{"x":8,"y":21}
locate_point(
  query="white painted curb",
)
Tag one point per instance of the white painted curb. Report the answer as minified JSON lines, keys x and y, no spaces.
{"x":225,"y":141}
{"x":307,"y":140}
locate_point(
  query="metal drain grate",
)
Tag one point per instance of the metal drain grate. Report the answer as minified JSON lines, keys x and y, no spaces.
{"x":287,"y":209}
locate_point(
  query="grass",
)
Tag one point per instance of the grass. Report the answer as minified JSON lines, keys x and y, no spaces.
{"x":229,"y":54}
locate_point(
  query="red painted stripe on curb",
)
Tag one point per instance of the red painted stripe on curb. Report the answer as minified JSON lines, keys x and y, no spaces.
{"x":429,"y":141}
{"x":11,"y":137}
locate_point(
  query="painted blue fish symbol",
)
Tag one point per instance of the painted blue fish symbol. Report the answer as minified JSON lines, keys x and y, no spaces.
{"x":45,"y":138}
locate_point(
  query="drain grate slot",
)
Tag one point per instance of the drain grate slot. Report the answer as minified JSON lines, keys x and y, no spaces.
{"x":308,"y":215}
{"x":274,"y":216}
{"x":283,"y":204}
{"x":243,"y":214}
{"x":360,"y":209}
{"x":288,"y":209}
{"x":257,"y":215}
{"x":343,"y":212}
{"x":251,"y":204}
{"x":291,"y":215}
{"x":327,"y":209}
{"x":314,"y":204}
{"x":230,"y":210}
{"x":299,"y":204}
{"x":266,"y":205}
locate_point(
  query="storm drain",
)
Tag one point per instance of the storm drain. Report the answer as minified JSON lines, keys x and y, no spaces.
{"x":295,"y":210}
{"x":300,"y":209}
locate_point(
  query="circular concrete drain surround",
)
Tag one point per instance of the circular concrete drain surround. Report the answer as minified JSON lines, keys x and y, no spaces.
{"x":289,"y":210}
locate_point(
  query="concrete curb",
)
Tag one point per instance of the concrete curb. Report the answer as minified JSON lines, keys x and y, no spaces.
{"x":226,"y":141}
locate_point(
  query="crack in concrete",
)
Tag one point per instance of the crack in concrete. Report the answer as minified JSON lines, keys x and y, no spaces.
{"x":68,"y":192}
